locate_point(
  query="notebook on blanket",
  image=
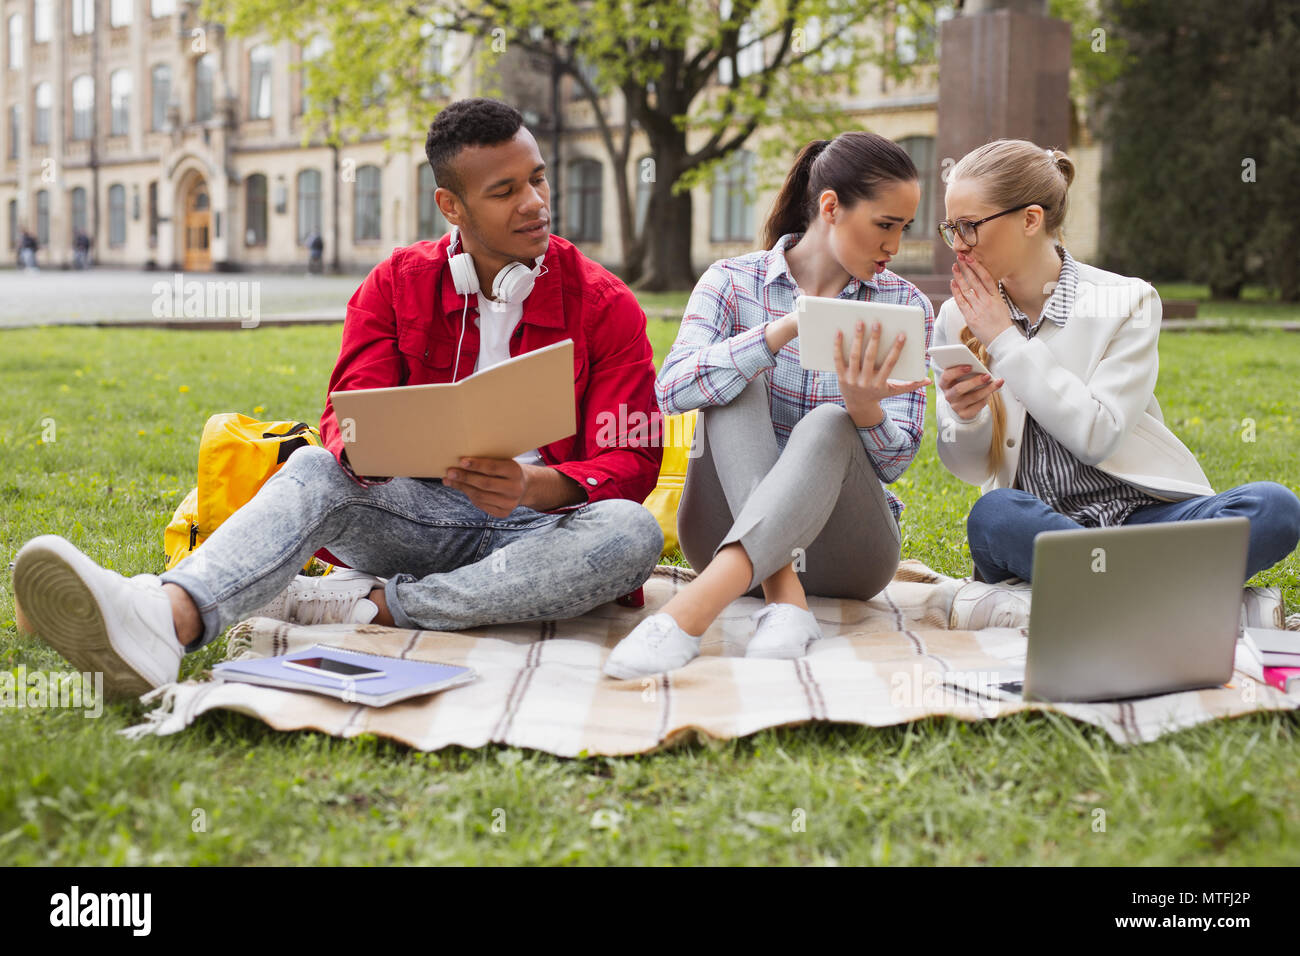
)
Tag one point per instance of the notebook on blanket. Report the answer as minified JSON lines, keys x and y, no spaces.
{"x":373,"y":679}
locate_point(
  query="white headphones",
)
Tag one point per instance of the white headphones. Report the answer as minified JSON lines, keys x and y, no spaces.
{"x":511,"y":285}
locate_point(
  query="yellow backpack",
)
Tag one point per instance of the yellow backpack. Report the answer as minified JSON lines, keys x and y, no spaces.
{"x":237,"y":455}
{"x":677,"y":435}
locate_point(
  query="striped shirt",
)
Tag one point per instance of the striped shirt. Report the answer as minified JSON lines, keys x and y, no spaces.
{"x":1047,"y":469}
{"x":721,"y":347}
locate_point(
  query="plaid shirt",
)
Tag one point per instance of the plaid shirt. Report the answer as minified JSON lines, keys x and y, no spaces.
{"x":722,"y":346}
{"x":1047,"y":470}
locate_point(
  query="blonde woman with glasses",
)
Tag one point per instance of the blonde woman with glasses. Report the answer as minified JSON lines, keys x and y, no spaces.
{"x":1066,"y":431}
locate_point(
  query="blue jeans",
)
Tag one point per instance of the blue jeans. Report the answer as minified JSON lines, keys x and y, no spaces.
{"x":1003,"y":523}
{"x":449,"y":565}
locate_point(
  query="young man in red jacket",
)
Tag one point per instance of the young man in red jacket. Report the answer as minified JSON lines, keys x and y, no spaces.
{"x":552,"y":533}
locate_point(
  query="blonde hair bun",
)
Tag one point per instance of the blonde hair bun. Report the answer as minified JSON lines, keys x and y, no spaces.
{"x":1066,"y":165}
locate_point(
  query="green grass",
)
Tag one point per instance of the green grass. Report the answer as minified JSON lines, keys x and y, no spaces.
{"x":1255,"y":303}
{"x":1023,"y":788}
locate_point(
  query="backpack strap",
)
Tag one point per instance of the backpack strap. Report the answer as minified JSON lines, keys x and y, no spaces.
{"x":287,"y":448}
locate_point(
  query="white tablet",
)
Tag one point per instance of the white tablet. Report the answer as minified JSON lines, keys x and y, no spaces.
{"x":820,"y":318}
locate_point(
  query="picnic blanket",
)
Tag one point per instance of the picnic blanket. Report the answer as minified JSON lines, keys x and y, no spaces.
{"x":540,"y":686}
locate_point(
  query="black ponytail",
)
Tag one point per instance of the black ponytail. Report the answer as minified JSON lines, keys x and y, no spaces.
{"x":855,"y":164}
{"x":790,"y":213}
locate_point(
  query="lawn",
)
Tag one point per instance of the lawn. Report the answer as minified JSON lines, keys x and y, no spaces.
{"x":120,"y":412}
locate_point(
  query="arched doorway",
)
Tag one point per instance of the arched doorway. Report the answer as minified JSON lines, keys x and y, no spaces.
{"x":197,"y":216}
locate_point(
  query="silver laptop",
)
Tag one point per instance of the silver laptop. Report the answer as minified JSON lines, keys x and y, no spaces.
{"x":1130,"y":611}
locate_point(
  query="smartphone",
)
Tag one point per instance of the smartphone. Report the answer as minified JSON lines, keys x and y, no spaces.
{"x":329,"y":667}
{"x":946,"y":356}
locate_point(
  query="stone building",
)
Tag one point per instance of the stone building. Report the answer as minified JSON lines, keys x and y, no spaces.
{"x":175,"y":145}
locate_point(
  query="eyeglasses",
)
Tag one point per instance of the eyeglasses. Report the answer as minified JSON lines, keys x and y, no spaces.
{"x":968,"y":229}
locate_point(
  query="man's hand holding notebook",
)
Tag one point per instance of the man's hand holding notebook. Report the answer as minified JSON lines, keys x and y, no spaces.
{"x":427,"y":431}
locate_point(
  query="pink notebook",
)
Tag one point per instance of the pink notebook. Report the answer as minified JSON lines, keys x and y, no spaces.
{"x":1285,"y":679}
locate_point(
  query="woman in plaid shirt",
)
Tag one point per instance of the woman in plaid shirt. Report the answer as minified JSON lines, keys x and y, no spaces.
{"x":788,"y":473}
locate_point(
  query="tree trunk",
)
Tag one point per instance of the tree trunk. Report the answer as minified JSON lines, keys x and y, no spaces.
{"x":668,"y":225}
{"x":1226,"y":288}
{"x":633,"y":247}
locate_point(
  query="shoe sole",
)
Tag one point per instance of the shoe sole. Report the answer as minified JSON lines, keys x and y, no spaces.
{"x":621,"y":673}
{"x":64,"y":611}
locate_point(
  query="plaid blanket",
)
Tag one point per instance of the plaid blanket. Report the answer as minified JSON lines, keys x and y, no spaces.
{"x":540,"y":685}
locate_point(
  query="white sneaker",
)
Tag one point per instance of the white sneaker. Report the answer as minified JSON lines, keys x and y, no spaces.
{"x":337,"y":598}
{"x":655,"y":645}
{"x":1263,"y":607}
{"x":782,"y":631}
{"x":99,"y":620}
{"x":978,"y":605}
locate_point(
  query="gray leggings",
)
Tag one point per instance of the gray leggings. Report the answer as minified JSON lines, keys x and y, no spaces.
{"x":819,"y":494}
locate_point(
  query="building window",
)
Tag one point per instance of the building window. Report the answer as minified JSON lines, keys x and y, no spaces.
{"x":162,"y":8}
{"x":153,"y":213}
{"x":921,"y":149}
{"x":834,"y":54}
{"x":309,"y":204}
{"x":160,"y":92}
{"x":749,"y":47}
{"x":431,"y":224}
{"x":583,"y":210}
{"x":13,"y":224}
{"x":203,"y":72}
{"x":920,"y":46}
{"x":79,"y":211}
{"x":436,"y":59}
{"x":119,"y":98}
{"x":44,"y":104}
{"x":15,"y":127}
{"x":255,"y":211}
{"x":589,"y":72}
{"x":83,"y":107}
{"x":314,"y":50}
{"x":117,"y":215}
{"x":16,"y":42}
{"x":259,"y":82}
{"x":83,"y":17}
{"x":119,"y":12}
{"x":732,"y":204}
{"x":378,"y":94}
{"x":43,"y":217}
{"x":366,"y":204}
{"x":42,"y":21}
{"x":645,"y":181}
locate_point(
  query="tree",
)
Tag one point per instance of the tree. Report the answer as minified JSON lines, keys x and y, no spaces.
{"x":1202,"y":182}
{"x":786,"y":62}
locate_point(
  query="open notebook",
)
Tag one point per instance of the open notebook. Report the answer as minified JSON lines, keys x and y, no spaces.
{"x":419,"y":431}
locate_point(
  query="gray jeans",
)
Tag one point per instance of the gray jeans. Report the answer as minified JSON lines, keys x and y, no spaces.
{"x":449,"y":565}
{"x":819,"y":494}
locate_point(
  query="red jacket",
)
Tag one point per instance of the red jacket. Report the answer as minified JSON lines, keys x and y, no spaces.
{"x":402,"y":326}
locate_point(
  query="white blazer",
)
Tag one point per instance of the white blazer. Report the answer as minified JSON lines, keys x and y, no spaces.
{"x":1090,"y":383}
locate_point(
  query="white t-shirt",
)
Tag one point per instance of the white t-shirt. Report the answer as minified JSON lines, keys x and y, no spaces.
{"x":496,"y":323}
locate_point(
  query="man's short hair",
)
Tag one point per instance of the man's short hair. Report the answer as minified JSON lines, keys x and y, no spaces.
{"x":479,"y":121}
